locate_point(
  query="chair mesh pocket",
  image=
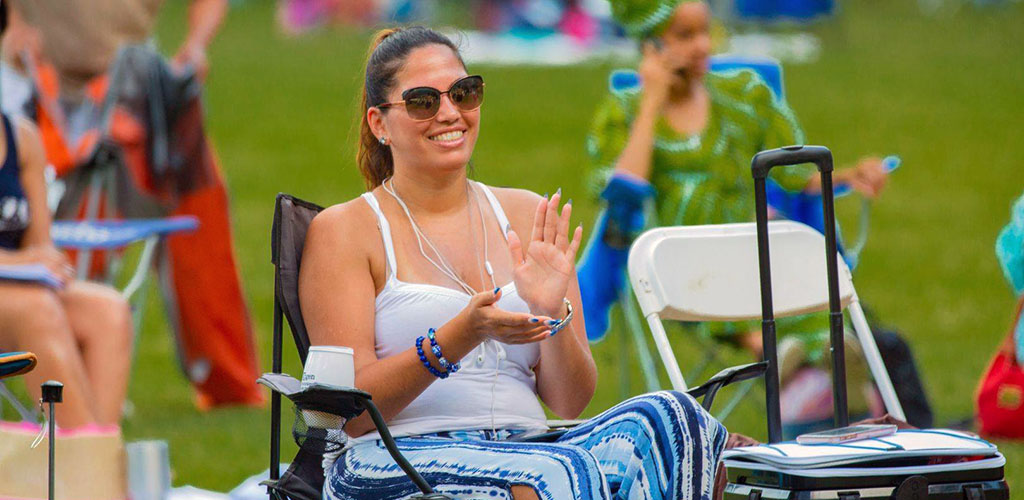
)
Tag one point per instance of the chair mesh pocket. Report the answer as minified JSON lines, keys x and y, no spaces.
{"x":318,"y":432}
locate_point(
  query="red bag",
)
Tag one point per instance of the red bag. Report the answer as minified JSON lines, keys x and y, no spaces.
{"x":1001,"y":394}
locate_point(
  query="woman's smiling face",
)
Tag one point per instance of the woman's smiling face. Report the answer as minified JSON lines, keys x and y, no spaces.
{"x":444,"y":142}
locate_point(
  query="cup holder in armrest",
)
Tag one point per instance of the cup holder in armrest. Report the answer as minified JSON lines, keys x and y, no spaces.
{"x":345,"y":402}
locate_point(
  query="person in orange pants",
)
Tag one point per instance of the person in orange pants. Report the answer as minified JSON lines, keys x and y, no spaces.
{"x":70,"y":46}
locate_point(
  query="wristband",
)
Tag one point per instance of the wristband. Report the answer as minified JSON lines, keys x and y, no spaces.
{"x":564,"y":321}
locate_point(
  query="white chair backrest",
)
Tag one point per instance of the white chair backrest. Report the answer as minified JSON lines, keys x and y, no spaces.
{"x":710,"y":273}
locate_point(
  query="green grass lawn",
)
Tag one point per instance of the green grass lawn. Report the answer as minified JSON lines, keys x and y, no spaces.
{"x":945,"y":93}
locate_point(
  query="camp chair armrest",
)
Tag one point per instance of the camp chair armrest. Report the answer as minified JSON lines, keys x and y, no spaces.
{"x":346,"y":402}
{"x":16,"y":363}
{"x":725,"y":377}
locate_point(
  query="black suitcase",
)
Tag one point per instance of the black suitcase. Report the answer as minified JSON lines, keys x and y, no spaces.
{"x":963,"y":478}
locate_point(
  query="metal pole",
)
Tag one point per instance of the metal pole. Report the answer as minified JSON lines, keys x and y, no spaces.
{"x":839,"y":401}
{"x":389,"y":444}
{"x":53,"y":392}
{"x":874,"y":359}
{"x":643,"y":352}
{"x":52,"y":450}
{"x":275,"y":398}
{"x":771,"y":376}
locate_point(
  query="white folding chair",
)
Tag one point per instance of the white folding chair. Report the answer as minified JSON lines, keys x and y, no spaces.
{"x":710,"y":273}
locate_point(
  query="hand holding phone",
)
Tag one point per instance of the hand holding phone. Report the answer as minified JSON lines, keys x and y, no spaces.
{"x":655,"y":75}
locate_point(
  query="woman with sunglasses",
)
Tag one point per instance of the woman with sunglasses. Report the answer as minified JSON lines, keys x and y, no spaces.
{"x":461,"y":305}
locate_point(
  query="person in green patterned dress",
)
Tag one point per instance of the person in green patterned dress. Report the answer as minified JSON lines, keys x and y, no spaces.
{"x":691,"y":135}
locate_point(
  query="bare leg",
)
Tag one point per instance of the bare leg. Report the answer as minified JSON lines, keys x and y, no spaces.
{"x":102,"y":324}
{"x":32,"y":319}
{"x":523,"y":492}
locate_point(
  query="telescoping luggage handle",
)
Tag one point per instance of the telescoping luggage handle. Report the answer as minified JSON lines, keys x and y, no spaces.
{"x":762,"y":163}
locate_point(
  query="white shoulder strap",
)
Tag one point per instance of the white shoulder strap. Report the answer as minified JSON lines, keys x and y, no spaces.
{"x":496,"y":208}
{"x":385,"y":231}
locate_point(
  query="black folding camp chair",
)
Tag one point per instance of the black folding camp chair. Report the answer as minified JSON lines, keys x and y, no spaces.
{"x":304,"y":478}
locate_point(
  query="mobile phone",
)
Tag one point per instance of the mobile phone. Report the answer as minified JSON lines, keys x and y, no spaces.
{"x":846,"y":434}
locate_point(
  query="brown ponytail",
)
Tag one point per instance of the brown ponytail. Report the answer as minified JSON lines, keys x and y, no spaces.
{"x":386,"y":56}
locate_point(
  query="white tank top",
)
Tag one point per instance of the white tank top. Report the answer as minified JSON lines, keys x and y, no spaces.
{"x":496,"y":387}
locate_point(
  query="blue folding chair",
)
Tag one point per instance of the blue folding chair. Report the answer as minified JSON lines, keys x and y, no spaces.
{"x":92,"y":235}
{"x":769,"y":11}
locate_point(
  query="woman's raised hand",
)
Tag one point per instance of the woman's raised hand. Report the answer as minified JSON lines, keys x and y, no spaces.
{"x":868,"y":177}
{"x":656,"y":73}
{"x":542,"y":275}
{"x":486,"y":321}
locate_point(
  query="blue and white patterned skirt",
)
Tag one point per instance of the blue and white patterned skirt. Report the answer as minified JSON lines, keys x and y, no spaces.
{"x":658,"y":446}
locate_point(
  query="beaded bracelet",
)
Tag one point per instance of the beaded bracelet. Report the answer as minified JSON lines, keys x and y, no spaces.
{"x":436,"y":349}
{"x":423,"y":358}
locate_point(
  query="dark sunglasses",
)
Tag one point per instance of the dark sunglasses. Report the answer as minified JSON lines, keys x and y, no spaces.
{"x":422,"y":103}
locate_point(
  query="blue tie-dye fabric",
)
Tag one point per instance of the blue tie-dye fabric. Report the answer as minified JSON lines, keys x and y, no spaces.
{"x":659,"y":446}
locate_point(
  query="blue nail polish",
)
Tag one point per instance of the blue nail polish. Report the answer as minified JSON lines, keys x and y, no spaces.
{"x":552,"y":322}
{"x":559,"y":192}
{"x":569,"y":202}
{"x":496,"y":290}
{"x":534,"y":320}
{"x":545,"y":196}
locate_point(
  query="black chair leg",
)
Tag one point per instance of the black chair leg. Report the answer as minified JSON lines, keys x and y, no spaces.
{"x":396,"y":455}
{"x":275,"y":401}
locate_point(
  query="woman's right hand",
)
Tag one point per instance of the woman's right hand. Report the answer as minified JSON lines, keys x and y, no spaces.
{"x":484,"y":320}
{"x":656,"y":74}
{"x":54,"y":260}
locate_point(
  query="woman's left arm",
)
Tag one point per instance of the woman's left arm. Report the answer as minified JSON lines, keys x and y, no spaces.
{"x":545,"y":274}
{"x":36,"y":245}
{"x":32,"y":162}
{"x":780,"y":127}
{"x":867,"y":177}
{"x":566,"y":373}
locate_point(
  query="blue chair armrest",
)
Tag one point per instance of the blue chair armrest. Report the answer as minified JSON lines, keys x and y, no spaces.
{"x":109,"y":234}
{"x":29,"y":273}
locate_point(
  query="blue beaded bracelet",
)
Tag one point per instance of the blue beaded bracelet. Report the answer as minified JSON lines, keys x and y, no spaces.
{"x":436,"y":349}
{"x":423,"y":358}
